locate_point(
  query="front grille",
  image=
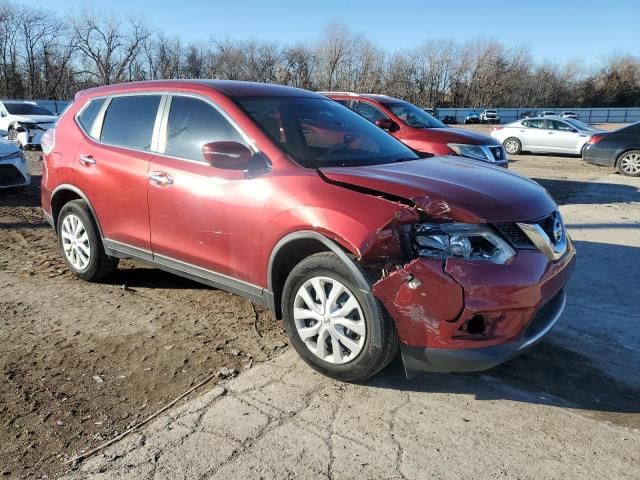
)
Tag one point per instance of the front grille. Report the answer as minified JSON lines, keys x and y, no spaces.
{"x":10,"y":175}
{"x":544,"y":316}
{"x":498,"y":153}
{"x":518,"y":238}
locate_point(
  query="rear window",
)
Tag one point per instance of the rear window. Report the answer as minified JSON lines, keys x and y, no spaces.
{"x":129,"y":121}
{"x":26,"y":109}
{"x":89,"y":113}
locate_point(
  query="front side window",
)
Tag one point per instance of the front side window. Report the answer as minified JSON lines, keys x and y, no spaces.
{"x":320,"y":133}
{"x":191,"y":124}
{"x":369,"y":112}
{"x":558,"y":125}
{"x":89,"y":113}
{"x":414,"y":116}
{"x":129,"y":121}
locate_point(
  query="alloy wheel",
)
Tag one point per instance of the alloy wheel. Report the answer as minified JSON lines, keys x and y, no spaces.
{"x":630,"y":163}
{"x":75,"y":242}
{"x":511,"y":146}
{"x":329,"y":320}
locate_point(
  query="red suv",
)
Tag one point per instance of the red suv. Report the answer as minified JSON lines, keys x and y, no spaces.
{"x":420,"y":131}
{"x":296,"y":202}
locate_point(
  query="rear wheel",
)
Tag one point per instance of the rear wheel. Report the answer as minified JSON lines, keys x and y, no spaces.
{"x":80,"y":243}
{"x":629,"y":163}
{"x":513,"y":146}
{"x":330,"y":323}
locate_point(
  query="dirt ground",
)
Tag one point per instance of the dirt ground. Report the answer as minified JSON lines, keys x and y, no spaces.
{"x":81,"y":362}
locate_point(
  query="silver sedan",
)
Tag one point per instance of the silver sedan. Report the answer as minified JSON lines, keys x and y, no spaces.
{"x":548,"y":134}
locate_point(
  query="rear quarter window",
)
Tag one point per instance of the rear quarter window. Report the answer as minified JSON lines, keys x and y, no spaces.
{"x":129,"y":121}
{"x":89,"y":113}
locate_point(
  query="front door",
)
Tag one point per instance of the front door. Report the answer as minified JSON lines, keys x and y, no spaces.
{"x":193,"y":206}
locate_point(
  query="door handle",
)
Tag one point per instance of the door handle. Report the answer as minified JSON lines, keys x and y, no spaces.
{"x":160,"y":179}
{"x":87,"y":160}
{"x":550,"y":133}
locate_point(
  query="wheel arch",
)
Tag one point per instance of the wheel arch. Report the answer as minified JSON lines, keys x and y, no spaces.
{"x":65,"y":193}
{"x":620,"y":154}
{"x":296,"y":246}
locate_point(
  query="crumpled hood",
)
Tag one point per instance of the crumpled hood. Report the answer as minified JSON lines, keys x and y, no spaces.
{"x":35,"y":118}
{"x":452,"y":188}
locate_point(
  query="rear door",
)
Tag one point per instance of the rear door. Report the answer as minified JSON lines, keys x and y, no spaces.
{"x":111,"y":165}
{"x":532,"y":134}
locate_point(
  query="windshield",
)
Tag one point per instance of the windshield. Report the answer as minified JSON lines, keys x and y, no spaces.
{"x":322,"y":133}
{"x":26,"y":109}
{"x":413,"y":116}
{"x":578,"y":124}
{"x":633,"y":128}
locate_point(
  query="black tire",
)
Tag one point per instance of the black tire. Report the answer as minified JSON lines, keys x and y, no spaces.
{"x":99,"y":265}
{"x":515,"y":146}
{"x":381,"y":342}
{"x":626,"y":166}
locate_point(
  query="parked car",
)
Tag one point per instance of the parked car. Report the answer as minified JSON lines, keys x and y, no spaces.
{"x":471,"y":117}
{"x":449,"y":120}
{"x":419,"y":130}
{"x":489,"y":116}
{"x":14,"y":171}
{"x":23,"y":123}
{"x":357,"y":243}
{"x":548,"y":113}
{"x":528,"y":114}
{"x":619,"y":149}
{"x":432,"y":112}
{"x":551,"y":135}
{"x":568,"y":114}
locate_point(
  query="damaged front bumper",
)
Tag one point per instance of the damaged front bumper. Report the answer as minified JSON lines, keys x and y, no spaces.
{"x":443,"y":360}
{"x":459,"y":315}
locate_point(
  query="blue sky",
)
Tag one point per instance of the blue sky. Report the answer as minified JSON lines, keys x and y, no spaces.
{"x":556,"y":30}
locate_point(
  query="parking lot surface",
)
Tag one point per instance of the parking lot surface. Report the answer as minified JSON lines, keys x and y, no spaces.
{"x":566,"y":409}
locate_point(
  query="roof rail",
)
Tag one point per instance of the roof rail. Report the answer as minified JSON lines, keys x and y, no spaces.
{"x":351,"y":94}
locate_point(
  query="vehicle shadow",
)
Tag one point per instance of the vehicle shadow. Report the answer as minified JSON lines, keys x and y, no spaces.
{"x":148,"y":277}
{"x":573,"y":191}
{"x":546,"y":375}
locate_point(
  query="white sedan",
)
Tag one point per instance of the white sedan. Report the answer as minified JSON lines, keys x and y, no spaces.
{"x":553,"y":135}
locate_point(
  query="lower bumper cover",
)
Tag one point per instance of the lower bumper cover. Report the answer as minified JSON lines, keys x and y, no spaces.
{"x":443,"y":360}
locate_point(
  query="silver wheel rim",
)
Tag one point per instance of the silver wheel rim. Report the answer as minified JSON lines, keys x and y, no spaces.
{"x":329,"y":320}
{"x":511,"y":146}
{"x":75,"y":242}
{"x":630,"y":163}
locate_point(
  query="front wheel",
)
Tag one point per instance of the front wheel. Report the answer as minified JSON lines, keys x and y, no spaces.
{"x":629,"y":163}
{"x":330,"y":323}
{"x":513,"y":146}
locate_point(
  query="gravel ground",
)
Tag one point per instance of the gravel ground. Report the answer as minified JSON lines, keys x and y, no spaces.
{"x":81,"y":362}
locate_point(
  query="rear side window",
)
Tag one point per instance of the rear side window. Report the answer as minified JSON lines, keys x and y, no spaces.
{"x":129,"y":121}
{"x":191,"y":124}
{"x":89,"y":114}
{"x":533,"y":123}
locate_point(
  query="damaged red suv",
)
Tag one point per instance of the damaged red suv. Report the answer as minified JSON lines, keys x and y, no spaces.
{"x":296,"y":202}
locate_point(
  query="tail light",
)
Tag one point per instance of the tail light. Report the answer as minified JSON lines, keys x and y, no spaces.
{"x":48,"y":140}
{"x":595,"y":139}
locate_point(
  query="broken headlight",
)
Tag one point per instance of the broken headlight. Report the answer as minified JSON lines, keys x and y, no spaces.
{"x":461,"y":240}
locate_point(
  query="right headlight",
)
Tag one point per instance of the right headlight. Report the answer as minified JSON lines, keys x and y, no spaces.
{"x":470,"y":151}
{"x":461,"y":240}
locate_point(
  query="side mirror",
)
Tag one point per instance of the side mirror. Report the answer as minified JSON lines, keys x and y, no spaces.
{"x":227,"y":155}
{"x":387,"y":124}
{"x":3,"y":114}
